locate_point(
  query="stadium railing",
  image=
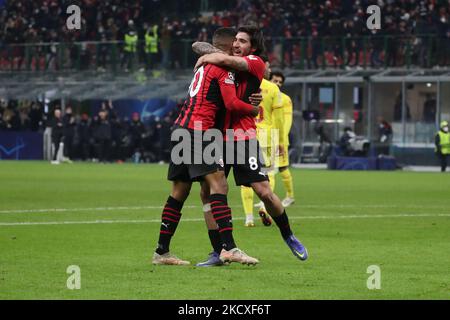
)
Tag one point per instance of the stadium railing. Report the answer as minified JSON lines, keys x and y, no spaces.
{"x":424,"y":51}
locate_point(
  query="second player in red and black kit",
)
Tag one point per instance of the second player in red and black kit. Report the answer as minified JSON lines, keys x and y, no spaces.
{"x":212,"y":92}
{"x":244,"y":127}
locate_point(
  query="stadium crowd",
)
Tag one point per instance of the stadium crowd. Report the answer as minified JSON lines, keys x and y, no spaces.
{"x":104,"y":136}
{"x":44,"y":21}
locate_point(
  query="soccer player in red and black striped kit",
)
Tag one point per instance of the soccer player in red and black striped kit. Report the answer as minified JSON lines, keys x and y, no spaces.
{"x":212,"y":90}
{"x":247,"y":47}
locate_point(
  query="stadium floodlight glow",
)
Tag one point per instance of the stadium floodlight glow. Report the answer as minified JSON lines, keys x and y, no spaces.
{"x":429,"y":84}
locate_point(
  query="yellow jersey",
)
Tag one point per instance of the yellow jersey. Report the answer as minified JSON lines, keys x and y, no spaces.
{"x":288,"y":110}
{"x":270,"y":115}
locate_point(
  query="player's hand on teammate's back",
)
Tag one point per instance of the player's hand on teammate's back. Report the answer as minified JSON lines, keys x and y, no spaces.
{"x":255,"y":99}
{"x":281,"y":150}
{"x":200,"y":63}
{"x":255,"y":111}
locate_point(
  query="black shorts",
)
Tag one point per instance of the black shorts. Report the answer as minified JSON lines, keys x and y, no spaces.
{"x":246,"y":163}
{"x":195,"y":167}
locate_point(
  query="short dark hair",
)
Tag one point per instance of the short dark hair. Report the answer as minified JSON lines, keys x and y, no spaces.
{"x":224,"y":33}
{"x":256,"y":38}
{"x":278,"y":74}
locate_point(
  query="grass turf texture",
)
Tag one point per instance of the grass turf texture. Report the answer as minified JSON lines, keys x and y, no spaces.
{"x":399,"y":221}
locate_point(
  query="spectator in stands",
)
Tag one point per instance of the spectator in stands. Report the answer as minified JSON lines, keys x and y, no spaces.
{"x":443,"y":32}
{"x":377,"y":47}
{"x":317,"y":51}
{"x":103,"y":49}
{"x":35,"y":21}
{"x":166,"y":41}
{"x":353,"y":41}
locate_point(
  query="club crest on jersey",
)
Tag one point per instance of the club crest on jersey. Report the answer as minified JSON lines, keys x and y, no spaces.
{"x":230,"y":79}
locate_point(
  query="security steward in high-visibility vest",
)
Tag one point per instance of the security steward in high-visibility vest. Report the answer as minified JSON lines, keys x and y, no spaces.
{"x":442,"y":142}
{"x":130,"y":47}
{"x":151,"y":47}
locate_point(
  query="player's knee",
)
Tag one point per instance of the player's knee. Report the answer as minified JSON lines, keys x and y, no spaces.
{"x":222,"y":187}
{"x":218,"y":184}
{"x":264,"y":192}
{"x":180,"y":191}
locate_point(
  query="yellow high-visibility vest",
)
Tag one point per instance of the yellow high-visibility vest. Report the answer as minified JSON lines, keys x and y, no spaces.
{"x":131,"y":43}
{"x":444,"y":142}
{"x":151,"y":41}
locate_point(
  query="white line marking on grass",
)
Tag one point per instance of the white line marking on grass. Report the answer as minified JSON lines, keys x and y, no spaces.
{"x":85,"y":209}
{"x":376,"y":216}
{"x":137,"y":208}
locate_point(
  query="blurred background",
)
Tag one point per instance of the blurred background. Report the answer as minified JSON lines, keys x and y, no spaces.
{"x":133,"y":61}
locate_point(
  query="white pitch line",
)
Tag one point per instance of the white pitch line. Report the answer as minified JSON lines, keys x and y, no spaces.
{"x":136,"y":208}
{"x":84,"y":209}
{"x":377,"y":216}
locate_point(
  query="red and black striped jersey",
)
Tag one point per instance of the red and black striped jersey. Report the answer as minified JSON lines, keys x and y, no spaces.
{"x":211,"y":93}
{"x":247,"y":83}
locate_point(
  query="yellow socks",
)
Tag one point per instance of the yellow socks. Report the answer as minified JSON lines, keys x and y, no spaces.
{"x":287,"y":181}
{"x":271,"y":175}
{"x":247,"y":200}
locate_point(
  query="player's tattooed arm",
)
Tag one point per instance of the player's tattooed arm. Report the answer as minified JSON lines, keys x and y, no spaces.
{"x":202,"y":48}
{"x":223,"y":60}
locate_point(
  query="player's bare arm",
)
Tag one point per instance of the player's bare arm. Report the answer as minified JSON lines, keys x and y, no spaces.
{"x":202,"y":48}
{"x":223,"y":60}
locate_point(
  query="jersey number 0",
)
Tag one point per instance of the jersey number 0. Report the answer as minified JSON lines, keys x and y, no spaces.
{"x":196,"y":82}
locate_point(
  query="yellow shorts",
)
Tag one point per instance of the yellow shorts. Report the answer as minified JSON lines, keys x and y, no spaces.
{"x":283,"y":160}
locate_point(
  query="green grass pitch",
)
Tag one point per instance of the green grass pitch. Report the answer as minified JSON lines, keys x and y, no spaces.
{"x":105,"y":219}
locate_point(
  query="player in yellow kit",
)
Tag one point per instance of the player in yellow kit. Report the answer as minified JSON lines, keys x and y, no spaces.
{"x":271,"y":116}
{"x":282,"y":160}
